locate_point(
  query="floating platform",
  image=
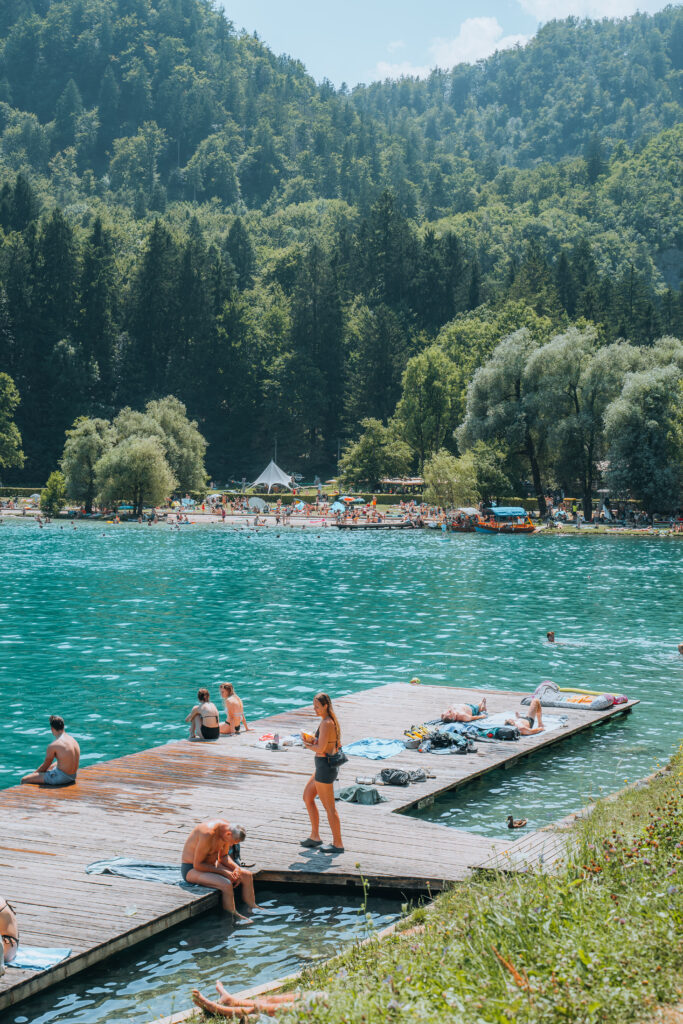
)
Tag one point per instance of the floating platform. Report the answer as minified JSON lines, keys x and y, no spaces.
{"x":143,"y":805}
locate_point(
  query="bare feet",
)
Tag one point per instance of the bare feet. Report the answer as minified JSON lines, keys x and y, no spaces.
{"x":482,"y":706}
{"x":217,"y":1009}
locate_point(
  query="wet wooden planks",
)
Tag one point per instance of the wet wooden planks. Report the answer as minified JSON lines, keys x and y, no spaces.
{"x":143,"y":805}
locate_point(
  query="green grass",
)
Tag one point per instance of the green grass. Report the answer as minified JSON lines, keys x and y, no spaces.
{"x":601,"y":940}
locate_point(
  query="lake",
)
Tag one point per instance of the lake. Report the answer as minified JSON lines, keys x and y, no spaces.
{"x":115,"y":628}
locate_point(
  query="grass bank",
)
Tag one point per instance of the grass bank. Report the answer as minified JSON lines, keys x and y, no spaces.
{"x":600,"y":940}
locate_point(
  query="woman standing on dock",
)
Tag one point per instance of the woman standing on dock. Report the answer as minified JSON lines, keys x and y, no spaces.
{"x":325,"y":743}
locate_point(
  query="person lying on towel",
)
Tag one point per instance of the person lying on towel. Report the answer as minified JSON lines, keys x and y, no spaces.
{"x":465,"y":712}
{"x":525,"y":721}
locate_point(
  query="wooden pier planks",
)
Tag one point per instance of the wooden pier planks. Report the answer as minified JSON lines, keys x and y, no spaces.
{"x":143,"y":805}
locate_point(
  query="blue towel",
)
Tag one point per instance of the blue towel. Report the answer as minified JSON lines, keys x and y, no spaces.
{"x":142,"y":870}
{"x":31,"y":958}
{"x":375,"y":750}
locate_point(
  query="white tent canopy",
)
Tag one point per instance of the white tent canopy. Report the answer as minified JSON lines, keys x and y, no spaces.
{"x":272,"y":474}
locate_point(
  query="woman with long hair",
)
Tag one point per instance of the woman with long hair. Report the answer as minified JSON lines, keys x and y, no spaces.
{"x":326,"y":741}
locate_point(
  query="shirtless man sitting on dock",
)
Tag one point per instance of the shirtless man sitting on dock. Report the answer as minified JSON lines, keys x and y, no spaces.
{"x":206,"y":861}
{"x":65,"y":751}
{"x":465,"y":712}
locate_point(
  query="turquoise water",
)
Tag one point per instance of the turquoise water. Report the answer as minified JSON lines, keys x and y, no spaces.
{"x":115,"y":627}
{"x":156,"y":979}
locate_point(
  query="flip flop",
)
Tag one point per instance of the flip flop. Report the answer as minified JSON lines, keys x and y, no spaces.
{"x":332,"y":849}
{"x":311,"y":844}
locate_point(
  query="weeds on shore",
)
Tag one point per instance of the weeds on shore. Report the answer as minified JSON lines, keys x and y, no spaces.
{"x":600,"y":940}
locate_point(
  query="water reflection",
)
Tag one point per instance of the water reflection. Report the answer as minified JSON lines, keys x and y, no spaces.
{"x":156,"y":980}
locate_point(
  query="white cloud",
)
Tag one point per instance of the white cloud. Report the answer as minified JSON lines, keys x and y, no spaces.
{"x":397,"y":44}
{"x":546,"y":10}
{"x":477,"y":38}
{"x":405,"y":69}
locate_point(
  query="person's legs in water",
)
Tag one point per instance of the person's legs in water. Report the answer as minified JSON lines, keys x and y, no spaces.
{"x":310,"y":793}
{"x":223,"y":884}
{"x":279,"y":999}
{"x":325,"y":792}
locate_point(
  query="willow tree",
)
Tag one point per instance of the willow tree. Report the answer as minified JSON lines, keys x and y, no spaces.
{"x":502,"y":405}
{"x":572,"y":382}
{"x":86,"y":443}
{"x":644,"y":427}
{"x":135,"y":469}
{"x":11,"y":453}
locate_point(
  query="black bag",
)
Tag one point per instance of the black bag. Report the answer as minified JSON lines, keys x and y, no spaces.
{"x":506,"y":732}
{"x":337,"y":760}
{"x":394,"y":777}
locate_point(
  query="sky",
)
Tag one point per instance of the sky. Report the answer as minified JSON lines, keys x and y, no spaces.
{"x":365,"y":40}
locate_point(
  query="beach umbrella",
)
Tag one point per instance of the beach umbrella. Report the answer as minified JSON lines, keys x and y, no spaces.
{"x":337,"y":507}
{"x":257,"y":503}
{"x":35,"y":497}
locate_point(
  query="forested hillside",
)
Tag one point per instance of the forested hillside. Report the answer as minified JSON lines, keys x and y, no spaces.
{"x":182,"y":211}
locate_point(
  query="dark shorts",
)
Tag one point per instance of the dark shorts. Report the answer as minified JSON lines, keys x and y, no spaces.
{"x":184,"y":868}
{"x":238,"y":727}
{"x":530,"y":720}
{"x":211,"y":732}
{"x":324,"y":772}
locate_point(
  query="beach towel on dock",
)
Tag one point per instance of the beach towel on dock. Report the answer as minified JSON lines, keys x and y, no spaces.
{"x":550,"y":722}
{"x":32,"y":958}
{"x":358,"y":793}
{"x":143,"y":871}
{"x":375,"y":750}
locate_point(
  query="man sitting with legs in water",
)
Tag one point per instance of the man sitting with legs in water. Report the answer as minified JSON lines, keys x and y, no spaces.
{"x":525,"y":722}
{"x":65,"y":751}
{"x":206,"y":861}
{"x":465,"y":712}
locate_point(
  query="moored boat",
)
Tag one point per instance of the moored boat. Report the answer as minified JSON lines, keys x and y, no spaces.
{"x":504,"y":519}
{"x":463,"y":520}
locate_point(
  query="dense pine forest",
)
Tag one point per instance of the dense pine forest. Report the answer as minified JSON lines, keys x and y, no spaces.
{"x":184,"y":212}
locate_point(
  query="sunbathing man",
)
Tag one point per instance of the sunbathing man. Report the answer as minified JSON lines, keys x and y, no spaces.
{"x":465,"y":712}
{"x":65,"y":751}
{"x":525,"y":722}
{"x":206,"y":861}
{"x":232,"y":1006}
{"x":9,"y":935}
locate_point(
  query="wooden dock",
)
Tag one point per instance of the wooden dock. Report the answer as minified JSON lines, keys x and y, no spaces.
{"x":143,"y":805}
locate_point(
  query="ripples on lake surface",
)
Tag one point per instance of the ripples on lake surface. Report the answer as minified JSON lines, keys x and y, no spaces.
{"x":156,"y":978}
{"x":115,"y":627}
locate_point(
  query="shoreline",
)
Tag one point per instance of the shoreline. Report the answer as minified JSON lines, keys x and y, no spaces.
{"x":242,"y":521}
